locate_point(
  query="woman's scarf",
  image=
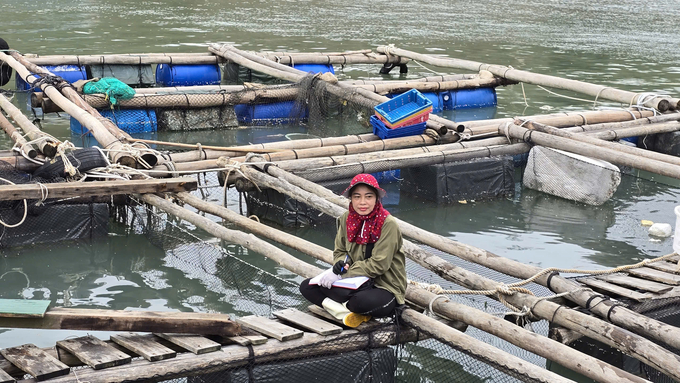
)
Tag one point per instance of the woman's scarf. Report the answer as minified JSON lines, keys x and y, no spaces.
{"x":363,"y":229}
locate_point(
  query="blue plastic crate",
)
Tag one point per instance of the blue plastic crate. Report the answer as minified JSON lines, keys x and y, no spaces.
{"x":403,"y":106}
{"x":382,"y":131}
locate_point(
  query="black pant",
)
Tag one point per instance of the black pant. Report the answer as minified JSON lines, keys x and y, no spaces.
{"x":367,"y":299}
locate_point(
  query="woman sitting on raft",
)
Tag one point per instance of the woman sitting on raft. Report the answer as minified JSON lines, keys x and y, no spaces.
{"x":368,"y":243}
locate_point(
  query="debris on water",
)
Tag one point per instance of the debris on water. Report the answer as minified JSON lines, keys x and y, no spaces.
{"x":662,"y":230}
{"x":646,"y":222}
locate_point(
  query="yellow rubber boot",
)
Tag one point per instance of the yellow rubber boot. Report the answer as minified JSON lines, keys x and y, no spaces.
{"x":353,"y":319}
{"x":337,"y":310}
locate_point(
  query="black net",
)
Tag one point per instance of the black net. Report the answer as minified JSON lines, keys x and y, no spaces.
{"x":47,"y":220}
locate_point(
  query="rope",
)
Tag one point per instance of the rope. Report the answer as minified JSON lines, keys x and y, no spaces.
{"x":25,"y":210}
{"x":524,"y":94}
{"x":61,"y":151}
{"x":564,"y":96}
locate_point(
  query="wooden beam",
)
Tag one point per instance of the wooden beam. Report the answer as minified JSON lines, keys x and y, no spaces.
{"x":117,"y":320}
{"x":95,"y":188}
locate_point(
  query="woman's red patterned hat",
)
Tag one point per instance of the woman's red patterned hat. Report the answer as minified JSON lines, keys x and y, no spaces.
{"x":364,"y":179}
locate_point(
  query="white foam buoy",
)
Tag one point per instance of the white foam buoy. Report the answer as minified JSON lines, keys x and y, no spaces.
{"x":676,"y":239}
{"x":662,"y":230}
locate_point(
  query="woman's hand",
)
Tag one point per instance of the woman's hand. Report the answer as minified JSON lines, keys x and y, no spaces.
{"x":328,"y":279}
{"x":340,"y":267}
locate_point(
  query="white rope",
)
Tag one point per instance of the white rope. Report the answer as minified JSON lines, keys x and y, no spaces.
{"x":564,"y":96}
{"x":61,"y":151}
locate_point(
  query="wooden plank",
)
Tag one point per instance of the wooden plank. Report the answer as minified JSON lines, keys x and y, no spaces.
{"x":636,"y":283}
{"x":23,"y":308}
{"x":144,"y":345}
{"x":308,"y":322}
{"x":270,"y":328}
{"x":246,"y":340}
{"x":656,"y":275}
{"x":33,"y":360}
{"x":668,"y":267}
{"x":94,"y":352}
{"x":119,"y":320}
{"x":611,"y":288}
{"x":87,"y":189}
{"x":316,"y":310}
{"x":5,"y":377}
{"x":194,"y":343}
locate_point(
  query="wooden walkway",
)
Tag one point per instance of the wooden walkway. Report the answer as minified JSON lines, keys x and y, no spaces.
{"x":134,"y":356}
{"x":658,"y":280}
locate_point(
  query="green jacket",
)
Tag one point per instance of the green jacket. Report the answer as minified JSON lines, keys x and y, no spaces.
{"x":386,"y":266}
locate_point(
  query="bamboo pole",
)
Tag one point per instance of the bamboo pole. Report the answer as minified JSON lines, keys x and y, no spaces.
{"x":201,"y":147}
{"x":598,"y":91}
{"x":127,"y":59}
{"x":561,"y":121}
{"x":337,"y":59}
{"x":99,"y":131}
{"x":625,"y":124}
{"x":329,"y":203}
{"x":497,"y":326}
{"x":16,"y":137}
{"x":192,"y":101}
{"x":403,"y":86}
{"x":590,"y":150}
{"x":589,"y":139}
{"x":46,"y":143}
{"x":635,"y":131}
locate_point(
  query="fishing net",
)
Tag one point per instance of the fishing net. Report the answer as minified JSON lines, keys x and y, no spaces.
{"x":47,"y":220}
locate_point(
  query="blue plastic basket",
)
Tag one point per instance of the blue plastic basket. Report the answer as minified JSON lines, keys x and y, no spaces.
{"x":403,"y":106}
{"x":382,"y":131}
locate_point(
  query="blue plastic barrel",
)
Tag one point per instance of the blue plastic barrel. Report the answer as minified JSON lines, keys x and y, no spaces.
{"x":128,"y":120}
{"x":267,"y":114}
{"x":187,"y":75}
{"x":315,"y":68}
{"x":70,"y":73}
{"x":437,"y":100}
{"x":634,"y":140}
{"x":473,"y":98}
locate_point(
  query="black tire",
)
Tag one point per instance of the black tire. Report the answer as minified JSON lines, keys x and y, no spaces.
{"x":5,"y":70}
{"x":81,"y":159}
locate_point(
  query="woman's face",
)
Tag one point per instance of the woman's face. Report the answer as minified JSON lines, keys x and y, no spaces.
{"x":363,"y":199}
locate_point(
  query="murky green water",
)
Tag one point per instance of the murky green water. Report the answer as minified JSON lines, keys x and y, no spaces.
{"x":630,"y":45}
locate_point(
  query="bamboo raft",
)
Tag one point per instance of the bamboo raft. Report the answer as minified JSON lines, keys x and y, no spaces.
{"x":299,"y":163}
{"x":248,"y":342}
